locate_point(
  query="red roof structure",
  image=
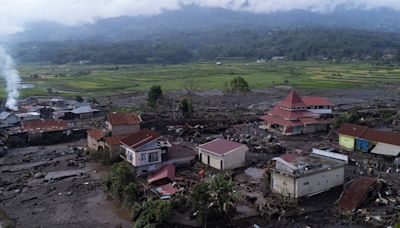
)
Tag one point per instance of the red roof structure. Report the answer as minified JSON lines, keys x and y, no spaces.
{"x":352,"y":130}
{"x":42,"y":125}
{"x":95,"y":133}
{"x":289,"y":157}
{"x":140,"y":138}
{"x":163,"y":176}
{"x":167,"y":190}
{"x":119,"y":118}
{"x":387,"y":137}
{"x":114,"y":140}
{"x":220,"y":146}
{"x":355,"y":194}
{"x":316,"y":101}
{"x":291,"y":115}
{"x":293,"y":101}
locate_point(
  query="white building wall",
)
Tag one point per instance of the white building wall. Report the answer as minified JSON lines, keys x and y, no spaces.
{"x":283,"y":184}
{"x":137,"y":156}
{"x":231,"y":160}
{"x":319,"y":182}
{"x":325,"y":110}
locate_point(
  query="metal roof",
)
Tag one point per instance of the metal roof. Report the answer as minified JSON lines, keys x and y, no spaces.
{"x":386,"y":149}
{"x":119,"y":118}
{"x":84,"y":109}
{"x":354,"y":195}
{"x":352,"y":130}
{"x":140,"y":138}
{"x":167,"y":172}
{"x":38,"y":126}
{"x":220,"y":146}
{"x":316,"y":101}
{"x":4,"y":115}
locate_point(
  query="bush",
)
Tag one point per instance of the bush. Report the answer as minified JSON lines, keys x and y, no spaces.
{"x":186,"y":108}
{"x":105,"y":157}
{"x":131,"y":194}
{"x":118,"y":180}
{"x":153,"y":213}
{"x":239,"y":85}
{"x":154,"y":95}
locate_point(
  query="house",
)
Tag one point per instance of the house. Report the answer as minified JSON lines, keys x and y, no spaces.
{"x":7,"y":118}
{"x":123,"y":123}
{"x":28,"y":116}
{"x":319,"y":105}
{"x":222,"y":154}
{"x":293,"y":116}
{"x":308,"y":175}
{"x":84,"y":112}
{"x":349,"y":134}
{"x":95,"y":141}
{"x":39,"y":132}
{"x":143,"y":150}
{"x":361,"y":138}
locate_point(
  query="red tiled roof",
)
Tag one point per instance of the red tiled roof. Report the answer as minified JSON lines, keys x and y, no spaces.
{"x":114,"y":140}
{"x":352,"y":130}
{"x":316,"y":101}
{"x":293,"y":100}
{"x":95,"y":133}
{"x":277,"y":111}
{"x":387,"y":137}
{"x":281,"y":121}
{"x":354,"y":195}
{"x":140,"y":138}
{"x":308,"y":121}
{"x":37,"y":126}
{"x":220,"y":146}
{"x":289,"y":157}
{"x":119,"y":118}
{"x":166,"y":172}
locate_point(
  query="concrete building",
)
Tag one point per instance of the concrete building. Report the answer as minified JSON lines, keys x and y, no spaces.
{"x":361,"y":138}
{"x":123,"y":123}
{"x":319,"y":105}
{"x":293,"y":116}
{"x":308,"y":175}
{"x":223,"y":154}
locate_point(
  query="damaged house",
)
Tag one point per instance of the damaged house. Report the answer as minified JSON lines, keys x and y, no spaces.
{"x":8,"y":119}
{"x":299,"y":176}
{"x":38,"y":132}
{"x":364,"y":139}
{"x":294,"y":116}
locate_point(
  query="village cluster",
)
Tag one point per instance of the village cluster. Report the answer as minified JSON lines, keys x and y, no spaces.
{"x":361,"y":162}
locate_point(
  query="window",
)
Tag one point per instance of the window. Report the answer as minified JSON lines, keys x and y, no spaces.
{"x":130,"y":156}
{"x":153,"y":157}
{"x":306,"y":183}
{"x":143,"y":157}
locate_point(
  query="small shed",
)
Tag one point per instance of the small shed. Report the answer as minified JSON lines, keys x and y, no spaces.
{"x":349,"y":134}
{"x":223,"y":154}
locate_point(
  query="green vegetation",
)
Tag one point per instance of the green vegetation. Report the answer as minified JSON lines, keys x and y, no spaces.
{"x":239,"y":85}
{"x":155,"y":93}
{"x":121,"y":183}
{"x":107,"y":80}
{"x":105,"y":157}
{"x":214,"y":201}
{"x":152,"y":213}
{"x":186,"y":108}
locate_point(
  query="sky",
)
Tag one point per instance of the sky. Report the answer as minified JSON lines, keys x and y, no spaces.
{"x":15,"y":14}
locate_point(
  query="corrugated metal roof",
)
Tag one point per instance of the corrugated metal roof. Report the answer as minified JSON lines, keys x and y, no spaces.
{"x":38,"y":126}
{"x":355,"y":194}
{"x":388,"y":137}
{"x":352,"y":130}
{"x":140,"y":138}
{"x":220,"y":146}
{"x":4,"y":115}
{"x":84,"y":109}
{"x":118,"y":118}
{"x":386,"y":149}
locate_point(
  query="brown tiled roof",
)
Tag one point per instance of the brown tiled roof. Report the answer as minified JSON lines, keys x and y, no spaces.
{"x":293,"y":100}
{"x":95,"y":133}
{"x":119,"y":118}
{"x":352,"y":130}
{"x":140,"y":138}
{"x":316,"y":101}
{"x":388,"y":137}
{"x":37,"y":126}
{"x":114,"y":140}
{"x":220,"y":146}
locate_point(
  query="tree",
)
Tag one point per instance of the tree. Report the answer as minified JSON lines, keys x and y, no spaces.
{"x":118,"y":181}
{"x":49,"y":90}
{"x":214,"y":200}
{"x":79,"y":98}
{"x":239,"y":85}
{"x":153,"y":213}
{"x":186,"y":108}
{"x":154,"y":94}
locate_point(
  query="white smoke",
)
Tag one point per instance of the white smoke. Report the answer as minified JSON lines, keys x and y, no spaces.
{"x":11,"y":76}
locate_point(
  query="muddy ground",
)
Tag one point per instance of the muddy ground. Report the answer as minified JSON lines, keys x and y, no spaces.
{"x":56,"y":186}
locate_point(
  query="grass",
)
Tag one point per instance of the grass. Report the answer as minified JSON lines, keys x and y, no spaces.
{"x":93,"y":80}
